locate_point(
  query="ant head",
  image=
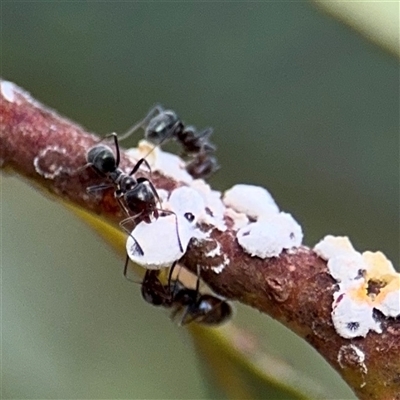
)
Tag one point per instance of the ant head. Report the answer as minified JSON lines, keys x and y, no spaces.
{"x":102,"y":159}
{"x":141,"y":199}
{"x":163,"y":127}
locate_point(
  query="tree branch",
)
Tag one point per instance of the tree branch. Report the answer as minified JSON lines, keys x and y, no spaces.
{"x":295,"y":288}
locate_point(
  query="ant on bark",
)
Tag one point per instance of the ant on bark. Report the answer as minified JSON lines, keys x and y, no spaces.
{"x":190,"y":303}
{"x":162,"y":125}
{"x":137,"y":196}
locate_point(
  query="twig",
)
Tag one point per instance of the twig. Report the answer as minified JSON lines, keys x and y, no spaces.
{"x":295,"y":288}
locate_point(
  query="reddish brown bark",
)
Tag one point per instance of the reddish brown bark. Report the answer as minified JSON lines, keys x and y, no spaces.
{"x":294,"y":288}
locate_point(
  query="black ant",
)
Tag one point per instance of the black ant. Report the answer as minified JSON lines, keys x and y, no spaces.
{"x":189,"y":303}
{"x":162,"y":125}
{"x":137,"y":196}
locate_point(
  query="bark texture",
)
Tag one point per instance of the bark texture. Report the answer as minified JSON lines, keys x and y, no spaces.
{"x":295,"y":288}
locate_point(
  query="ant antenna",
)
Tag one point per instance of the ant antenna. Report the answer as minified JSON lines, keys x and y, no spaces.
{"x":141,"y":124}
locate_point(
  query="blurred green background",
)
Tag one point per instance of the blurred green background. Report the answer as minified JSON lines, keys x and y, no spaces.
{"x":300,"y":104}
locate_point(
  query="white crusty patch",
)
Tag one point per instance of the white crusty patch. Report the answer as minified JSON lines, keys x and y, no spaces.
{"x":185,"y":199}
{"x":214,"y":206}
{"x":159,"y":242}
{"x":217,"y":252}
{"x":166,"y":163}
{"x":332,"y":246}
{"x":358,"y":322}
{"x":53,"y":170}
{"x":254,"y":201}
{"x":267,"y":235}
{"x":7,"y":90}
{"x":214,"y":252}
{"x":347,"y":270}
{"x":10,"y":92}
{"x":345,"y":357}
{"x":271,"y":232}
{"x":391,"y":306}
{"x":270,"y":235}
{"x":219,"y":268}
{"x":353,"y":305}
{"x":239,"y":219}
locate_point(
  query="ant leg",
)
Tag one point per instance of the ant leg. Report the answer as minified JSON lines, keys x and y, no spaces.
{"x":138,"y":164}
{"x":176,"y":227}
{"x":145,"y":121}
{"x":171,"y":271}
{"x":128,"y":219}
{"x":116,"y":144}
{"x":80,"y":169}
{"x":96,"y":188}
{"x":126,"y":273}
{"x":176,"y":311}
{"x":132,"y":129}
{"x":126,"y":269}
{"x":186,"y":317}
{"x":121,"y":204}
{"x":198,"y":283}
{"x":122,"y":225}
{"x":205,"y":133}
{"x":154,"y":190}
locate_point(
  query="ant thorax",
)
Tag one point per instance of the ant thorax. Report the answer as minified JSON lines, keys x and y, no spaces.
{"x":124,"y":182}
{"x":141,"y":200}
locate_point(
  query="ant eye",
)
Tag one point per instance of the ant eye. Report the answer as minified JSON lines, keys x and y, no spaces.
{"x":189,"y":216}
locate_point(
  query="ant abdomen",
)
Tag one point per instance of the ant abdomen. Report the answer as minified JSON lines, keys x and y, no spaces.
{"x":102,"y":159}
